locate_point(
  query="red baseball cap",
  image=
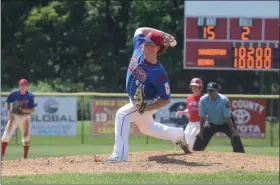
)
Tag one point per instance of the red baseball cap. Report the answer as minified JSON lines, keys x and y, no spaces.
{"x":155,"y":37}
{"x":23,"y":82}
{"x":196,"y":82}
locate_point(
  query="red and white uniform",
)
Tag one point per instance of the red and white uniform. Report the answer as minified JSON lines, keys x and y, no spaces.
{"x":193,"y":127}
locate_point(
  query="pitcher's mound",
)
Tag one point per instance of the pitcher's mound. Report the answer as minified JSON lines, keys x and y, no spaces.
{"x":199,"y":162}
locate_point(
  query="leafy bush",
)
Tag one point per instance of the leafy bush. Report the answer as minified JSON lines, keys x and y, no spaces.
{"x":41,"y":87}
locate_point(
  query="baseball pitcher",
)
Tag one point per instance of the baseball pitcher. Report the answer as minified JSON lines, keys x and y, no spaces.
{"x":148,"y":88}
{"x":193,"y":127}
{"x":23,"y":106}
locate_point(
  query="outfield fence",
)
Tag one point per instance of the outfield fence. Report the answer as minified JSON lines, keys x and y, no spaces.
{"x":88,"y":118}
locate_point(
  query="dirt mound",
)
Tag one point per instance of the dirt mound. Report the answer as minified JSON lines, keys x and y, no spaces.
{"x":199,"y":162}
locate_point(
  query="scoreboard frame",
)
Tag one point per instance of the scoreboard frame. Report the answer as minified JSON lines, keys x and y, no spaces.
{"x":256,"y":57}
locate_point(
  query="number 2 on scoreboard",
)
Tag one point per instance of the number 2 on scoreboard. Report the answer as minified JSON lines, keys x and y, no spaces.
{"x":245,"y":33}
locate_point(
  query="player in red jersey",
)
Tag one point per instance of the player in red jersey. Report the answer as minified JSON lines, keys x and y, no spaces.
{"x":193,"y":127}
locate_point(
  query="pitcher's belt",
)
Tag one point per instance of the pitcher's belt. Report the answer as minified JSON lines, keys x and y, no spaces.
{"x":149,"y":102}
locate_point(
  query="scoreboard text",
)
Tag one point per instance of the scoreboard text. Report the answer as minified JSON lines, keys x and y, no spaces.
{"x":231,"y":43}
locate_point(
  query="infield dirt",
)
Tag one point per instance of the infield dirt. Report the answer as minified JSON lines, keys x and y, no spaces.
{"x":167,"y":161}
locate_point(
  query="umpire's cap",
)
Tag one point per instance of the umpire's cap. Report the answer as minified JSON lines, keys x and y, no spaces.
{"x":212,"y":86}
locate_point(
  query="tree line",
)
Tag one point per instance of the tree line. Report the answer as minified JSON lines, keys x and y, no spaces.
{"x":72,"y":46}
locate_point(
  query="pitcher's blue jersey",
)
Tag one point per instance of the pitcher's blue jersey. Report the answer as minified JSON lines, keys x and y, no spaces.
{"x":140,"y":72}
{"x":25,"y":101}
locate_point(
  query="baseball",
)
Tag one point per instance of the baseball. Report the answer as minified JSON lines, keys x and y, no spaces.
{"x":173,"y":43}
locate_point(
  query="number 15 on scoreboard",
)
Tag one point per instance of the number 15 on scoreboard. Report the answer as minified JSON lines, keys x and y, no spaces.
{"x":208,"y":32}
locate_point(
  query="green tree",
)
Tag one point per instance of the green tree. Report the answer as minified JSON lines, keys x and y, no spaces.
{"x":87,"y":45}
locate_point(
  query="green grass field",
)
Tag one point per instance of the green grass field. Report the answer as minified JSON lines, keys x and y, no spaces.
{"x":150,"y":178}
{"x":59,"y":146}
{"x":36,"y":151}
{"x":66,"y":146}
{"x":84,"y":136}
{"x":69,"y":146}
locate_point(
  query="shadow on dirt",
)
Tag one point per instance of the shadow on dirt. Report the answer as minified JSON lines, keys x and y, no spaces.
{"x":170,"y":159}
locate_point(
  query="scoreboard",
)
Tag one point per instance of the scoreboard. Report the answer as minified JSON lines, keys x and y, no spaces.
{"x":231,"y":35}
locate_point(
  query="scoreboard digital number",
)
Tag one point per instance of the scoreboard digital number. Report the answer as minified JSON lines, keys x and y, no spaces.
{"x":251,"y":58}
{"x":218,"y":38}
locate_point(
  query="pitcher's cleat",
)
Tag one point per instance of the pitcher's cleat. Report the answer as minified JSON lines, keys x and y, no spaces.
{"x":183,"y":144}
{"x":185,"y":148}
{"x":2,"y":157}
{"x":114,"y":160}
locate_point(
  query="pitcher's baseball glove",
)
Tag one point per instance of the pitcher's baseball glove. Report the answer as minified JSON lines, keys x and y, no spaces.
{"x":17,"y":109}
{"x":139,"y":99}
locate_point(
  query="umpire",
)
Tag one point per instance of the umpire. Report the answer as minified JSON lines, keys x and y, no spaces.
{"x":215,"y":107}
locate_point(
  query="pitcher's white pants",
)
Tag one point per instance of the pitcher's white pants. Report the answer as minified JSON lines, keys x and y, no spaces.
{"x":127,"y":114}
{"x":191,"y":131}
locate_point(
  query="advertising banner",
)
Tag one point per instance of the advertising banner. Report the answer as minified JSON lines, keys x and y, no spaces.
{"x":54,"y":116}
{"x":103,"y":112}
{"x":167,"y":114}
{"x":250,"y":116}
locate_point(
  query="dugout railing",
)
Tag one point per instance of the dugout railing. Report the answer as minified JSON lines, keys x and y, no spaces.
{"x":84,"y":129}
